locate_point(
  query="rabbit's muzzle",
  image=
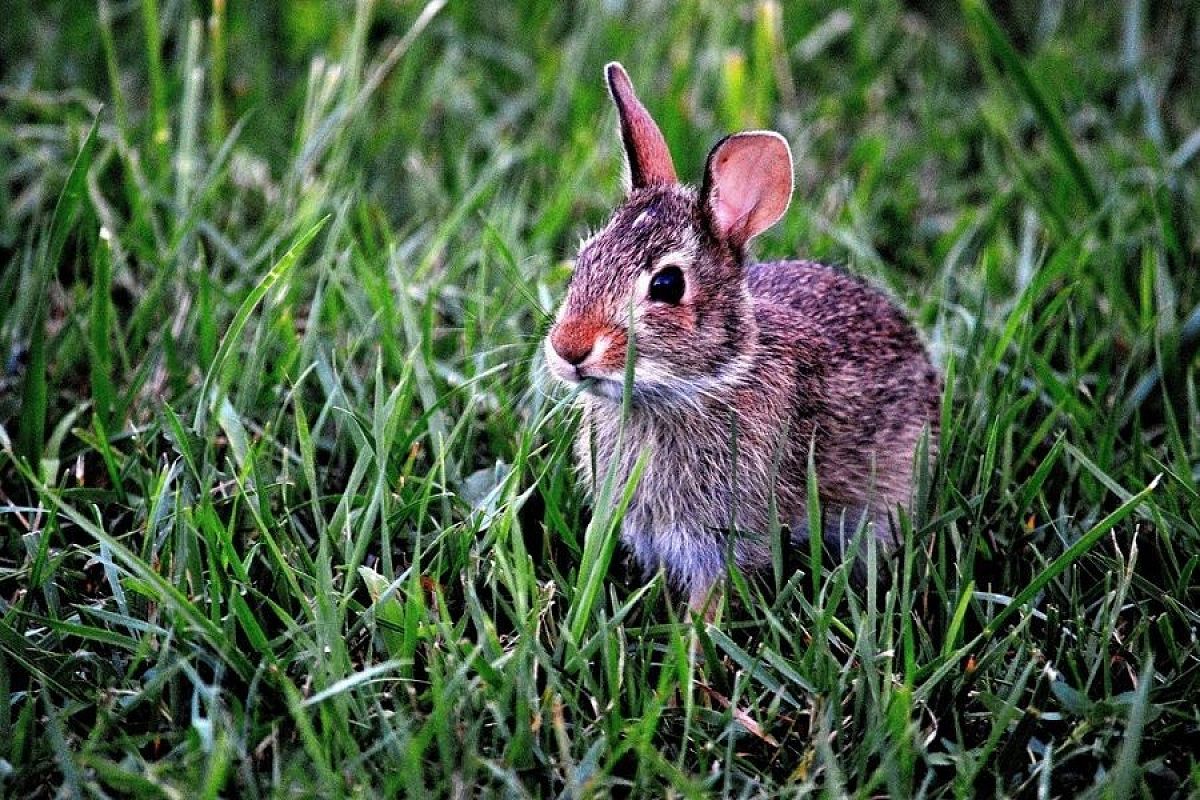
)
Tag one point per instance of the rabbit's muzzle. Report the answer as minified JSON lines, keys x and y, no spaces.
{"x":579,"y":348}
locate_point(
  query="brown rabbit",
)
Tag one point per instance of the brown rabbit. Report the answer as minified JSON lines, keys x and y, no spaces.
{"x":741,"y":369}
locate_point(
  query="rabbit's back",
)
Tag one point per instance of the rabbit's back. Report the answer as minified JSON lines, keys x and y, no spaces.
{"x":863,"y":329}
{"x":851,"y":311}
{"x":879,"y":389}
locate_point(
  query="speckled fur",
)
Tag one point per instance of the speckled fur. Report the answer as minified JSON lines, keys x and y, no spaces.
{"x":777,"y":357}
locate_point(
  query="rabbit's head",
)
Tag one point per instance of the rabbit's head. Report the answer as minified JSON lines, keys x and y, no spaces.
{"x":669,"y":267}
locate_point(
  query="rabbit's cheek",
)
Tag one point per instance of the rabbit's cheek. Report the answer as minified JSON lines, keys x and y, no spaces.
{"x":610,"y":357}
{"x":670,"y":323}
{"x":666,"y":322}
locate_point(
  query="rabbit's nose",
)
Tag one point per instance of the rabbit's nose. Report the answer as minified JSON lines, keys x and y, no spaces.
{"x":573,"y":342}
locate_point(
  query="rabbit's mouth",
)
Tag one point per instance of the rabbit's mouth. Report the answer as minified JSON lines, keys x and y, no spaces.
{"x":585,"y":378}
{"x":607,"y":388}
{"x":576,"y":359}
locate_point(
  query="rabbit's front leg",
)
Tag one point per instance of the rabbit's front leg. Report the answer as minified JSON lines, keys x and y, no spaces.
{"x":705,"y":600}
{"x":693,"y":557}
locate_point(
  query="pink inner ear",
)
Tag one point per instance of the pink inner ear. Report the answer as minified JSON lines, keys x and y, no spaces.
{"x":750,"y":184}
{"x":734,"y":204}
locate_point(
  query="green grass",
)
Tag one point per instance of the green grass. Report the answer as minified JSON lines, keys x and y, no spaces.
{"x":281,"y":513}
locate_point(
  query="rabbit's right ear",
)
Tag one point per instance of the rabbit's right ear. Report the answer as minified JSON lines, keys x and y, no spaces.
{"x":747,"y":184}
{"x":645,"y":149}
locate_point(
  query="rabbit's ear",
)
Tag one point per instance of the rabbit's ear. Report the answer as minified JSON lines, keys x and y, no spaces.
{"x":645,"y":149}
{"x":747,"y":184}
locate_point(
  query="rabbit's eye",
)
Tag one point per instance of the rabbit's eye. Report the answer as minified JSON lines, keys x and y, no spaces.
{"x":667,"y":286}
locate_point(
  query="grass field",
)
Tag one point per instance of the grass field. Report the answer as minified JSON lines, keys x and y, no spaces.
{"x":281,"y":513}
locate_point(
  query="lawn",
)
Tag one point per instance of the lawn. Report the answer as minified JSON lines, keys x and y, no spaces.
{"x":284,"y":511}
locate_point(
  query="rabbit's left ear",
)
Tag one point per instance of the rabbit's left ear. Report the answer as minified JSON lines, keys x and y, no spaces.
{"x":747,"y":184}
{"x":645,"y":148}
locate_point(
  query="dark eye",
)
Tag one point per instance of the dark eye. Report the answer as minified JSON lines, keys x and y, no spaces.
{"x":667,"y":286}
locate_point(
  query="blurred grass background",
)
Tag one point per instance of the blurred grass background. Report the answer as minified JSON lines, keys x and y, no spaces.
{"x":282,"y":514}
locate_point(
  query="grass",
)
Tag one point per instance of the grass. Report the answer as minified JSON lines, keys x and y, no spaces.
{"x":283,"y":515}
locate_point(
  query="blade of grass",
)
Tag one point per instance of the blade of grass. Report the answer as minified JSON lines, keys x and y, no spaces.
{"x":987,"y":33}
{"x":1069,"y":556}
{"x":34,"y":396}
{"x":217,"y":369}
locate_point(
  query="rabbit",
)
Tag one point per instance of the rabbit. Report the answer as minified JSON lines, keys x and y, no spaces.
{"x":740,"y":369}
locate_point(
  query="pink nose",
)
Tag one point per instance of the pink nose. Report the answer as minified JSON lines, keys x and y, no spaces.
{"x":573,"y":340}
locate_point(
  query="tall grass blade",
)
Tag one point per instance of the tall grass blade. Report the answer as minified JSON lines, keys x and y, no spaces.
{"x":215,"y":377}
